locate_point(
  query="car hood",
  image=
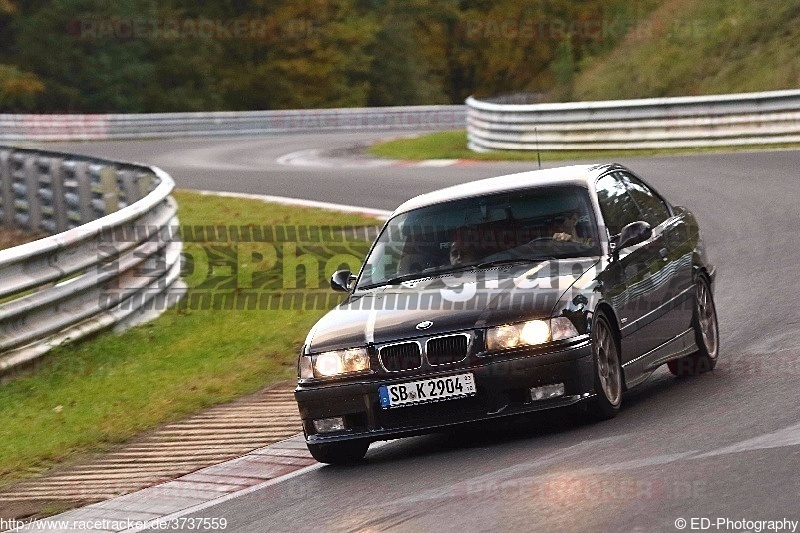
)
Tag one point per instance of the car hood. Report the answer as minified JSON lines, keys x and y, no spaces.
{"x":452,"y":302}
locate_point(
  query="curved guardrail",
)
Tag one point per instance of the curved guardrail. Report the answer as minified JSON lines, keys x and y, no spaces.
{"x":679,"y":122}
{"x":173,"y":125}
{"x":113,"y":259}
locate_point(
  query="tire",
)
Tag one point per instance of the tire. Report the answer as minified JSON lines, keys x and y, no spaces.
{"x":706,"y":335}
{"x":339,"y":453}
{"x":607,"y":371}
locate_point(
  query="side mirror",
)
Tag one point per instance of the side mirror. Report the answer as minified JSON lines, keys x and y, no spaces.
{"x":342,"y":280}
{"x":632,"y":234}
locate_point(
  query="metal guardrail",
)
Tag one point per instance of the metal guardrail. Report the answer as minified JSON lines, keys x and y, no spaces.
{"x":172,"y":125}
{"x":112,"y":261}
{"x":683,"y":122}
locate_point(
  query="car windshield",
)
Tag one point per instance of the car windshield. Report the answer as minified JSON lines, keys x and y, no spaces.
{"x":527,"y":225}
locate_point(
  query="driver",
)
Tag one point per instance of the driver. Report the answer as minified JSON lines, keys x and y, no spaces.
{"x":461,"y":255}
{"x":565,"y":229}
{"x":463,"y":250}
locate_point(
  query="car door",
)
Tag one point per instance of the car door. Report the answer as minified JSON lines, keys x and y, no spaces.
{"x":628,"y":282}
{"x":672,"y":272}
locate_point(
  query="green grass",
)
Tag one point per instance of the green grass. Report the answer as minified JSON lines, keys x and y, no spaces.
{"x":683,"y":48}
{"x":85,"y":397}
{"x":453,"y":145}
{"x":697,"y":47}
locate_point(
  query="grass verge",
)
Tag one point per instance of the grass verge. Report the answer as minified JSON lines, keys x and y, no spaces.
{"x":453,"y":145}
{"x":85,"y":397}
{"x":690,"y":47}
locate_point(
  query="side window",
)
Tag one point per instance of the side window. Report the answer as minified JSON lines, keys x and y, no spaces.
{"x":654,"y":210}
{"x":616,"y":204}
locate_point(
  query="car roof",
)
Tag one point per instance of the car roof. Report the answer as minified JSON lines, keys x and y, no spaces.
{"x":580,"y":175}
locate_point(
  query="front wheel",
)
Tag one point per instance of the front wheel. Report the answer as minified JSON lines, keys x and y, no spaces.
{"x":706,"y":335}
{"x":338,"y":453}
{"x":607,"y":371}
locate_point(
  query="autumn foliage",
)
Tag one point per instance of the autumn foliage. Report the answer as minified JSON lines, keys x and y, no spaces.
{"x":190,"y":55}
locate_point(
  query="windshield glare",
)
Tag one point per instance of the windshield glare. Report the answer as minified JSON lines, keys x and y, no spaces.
{"x":533,"y":224}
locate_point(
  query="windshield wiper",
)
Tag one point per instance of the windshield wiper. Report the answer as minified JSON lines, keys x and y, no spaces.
{"x":400,"y":279}
{"x":420,"y":275}
{"x":395,"y":280}
{"x":455,"y":268}
{"x":512,"y":261}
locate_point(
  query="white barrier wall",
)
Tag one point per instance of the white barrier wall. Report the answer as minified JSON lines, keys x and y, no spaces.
{"x":682,"y":122}
{"x":174,"y":125}
{"x":110,"y":261}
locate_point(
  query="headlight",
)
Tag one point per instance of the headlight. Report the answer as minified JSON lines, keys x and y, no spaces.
{"x":529,"y":333}
{"x":329,"y":364}
{"x":333,"y":363}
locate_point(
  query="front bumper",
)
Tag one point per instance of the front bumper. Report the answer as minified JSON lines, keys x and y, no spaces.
{"x":503,"y":389}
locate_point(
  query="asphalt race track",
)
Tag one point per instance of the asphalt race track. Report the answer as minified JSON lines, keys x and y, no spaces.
{"x":724,"y":445}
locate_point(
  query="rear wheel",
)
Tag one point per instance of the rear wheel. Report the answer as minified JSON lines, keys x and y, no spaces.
{"x":706,"y":335}
{"x":607,"y":371}
{"x":338,"y":453}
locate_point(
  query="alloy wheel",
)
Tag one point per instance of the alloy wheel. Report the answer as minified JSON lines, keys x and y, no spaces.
{"x":608,"y":369}
{"x":707,"y":319}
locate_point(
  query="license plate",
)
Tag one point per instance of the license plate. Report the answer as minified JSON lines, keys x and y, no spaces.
{"x":427,"y":390}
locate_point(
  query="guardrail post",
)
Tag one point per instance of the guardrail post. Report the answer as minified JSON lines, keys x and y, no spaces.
{"x":29,"y":175}
{"x":108,"y":187}
{"x":58,"y":201}
{"x":77,"y":192}
{"x":145,"y":184}
{"x":6,"y":198}
{"x":134,"y":184}
{"x":49,"y":192}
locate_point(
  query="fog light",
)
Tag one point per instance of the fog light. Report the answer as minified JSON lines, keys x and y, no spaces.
{"x":548,"y":391}
{"x":327,"y":425}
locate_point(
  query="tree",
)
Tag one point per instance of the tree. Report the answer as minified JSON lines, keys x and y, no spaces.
{"x":401,"y":70}
{"x":18,"y":90}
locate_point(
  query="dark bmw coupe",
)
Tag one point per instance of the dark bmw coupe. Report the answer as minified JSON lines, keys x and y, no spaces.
{"x":533,"y":291}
